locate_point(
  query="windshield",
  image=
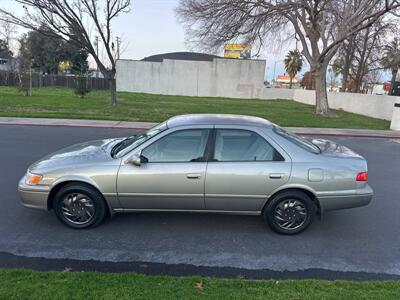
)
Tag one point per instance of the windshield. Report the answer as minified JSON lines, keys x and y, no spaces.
{"x":299,"y":141}
{"x":130,"y":143}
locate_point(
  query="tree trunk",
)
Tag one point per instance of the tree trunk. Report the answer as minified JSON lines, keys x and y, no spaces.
{"x":393,"y":81}
{"x":358,"y":83}
{"x":344,"y":80}
{"x":361,"y":65}
{"x":348,"y":58}
{"x":290,"y":83}
{"x":113,"y":90}
{"x":321,"y":95}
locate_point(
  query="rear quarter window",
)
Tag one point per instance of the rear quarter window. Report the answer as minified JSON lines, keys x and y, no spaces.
{"x":295,"y":139}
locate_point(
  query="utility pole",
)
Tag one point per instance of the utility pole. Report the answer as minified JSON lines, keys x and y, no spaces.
{"x":96,"y":43}
{"x":273,"y":77}
{"x":118,"y":39}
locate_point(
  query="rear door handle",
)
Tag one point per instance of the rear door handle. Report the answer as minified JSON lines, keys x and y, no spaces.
{"x":276,"y":175}
{"x":193,"y":176}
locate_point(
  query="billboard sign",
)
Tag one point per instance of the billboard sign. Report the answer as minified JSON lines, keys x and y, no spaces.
{"x":240,"y":51}
{"x":286,"y":79}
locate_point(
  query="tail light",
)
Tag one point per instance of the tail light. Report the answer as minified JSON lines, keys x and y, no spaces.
{"x":362,"y":176}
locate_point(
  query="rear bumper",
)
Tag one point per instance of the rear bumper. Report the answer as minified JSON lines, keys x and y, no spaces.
{"x":361,"y":197}
{"x":33,"y":197}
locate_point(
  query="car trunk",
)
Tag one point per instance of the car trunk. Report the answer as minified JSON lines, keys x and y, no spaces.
{"x":330,"y":148}
{"x":346,"y":178}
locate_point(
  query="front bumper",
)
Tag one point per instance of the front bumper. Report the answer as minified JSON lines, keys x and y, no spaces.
{"x":33,"y":196}
{"x":361,"y":197}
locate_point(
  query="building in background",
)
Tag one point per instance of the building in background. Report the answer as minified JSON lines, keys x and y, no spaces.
{"x":192,"y":74}
{"x":7,"y":62}
{"x":283,"y":81}
{"x":193,"y":56}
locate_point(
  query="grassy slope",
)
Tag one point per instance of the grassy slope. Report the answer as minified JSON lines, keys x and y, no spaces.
{"x":62,"y":103}
{"x":24,"y":284}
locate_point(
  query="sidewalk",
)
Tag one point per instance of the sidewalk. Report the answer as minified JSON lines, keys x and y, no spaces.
{"x":388,"y":134}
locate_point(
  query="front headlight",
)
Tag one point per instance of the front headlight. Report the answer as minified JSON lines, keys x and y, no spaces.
{"x":33,"y":179}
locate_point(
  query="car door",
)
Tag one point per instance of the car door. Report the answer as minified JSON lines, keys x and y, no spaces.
{"x":243,"y":171}
{"x":171,"y":175}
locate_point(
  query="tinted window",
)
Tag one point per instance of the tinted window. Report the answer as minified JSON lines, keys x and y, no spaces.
{"x":299,"y":141}
{"x":134,"y":141}
{"x":243,"y":145}
{"x":179,"y":146}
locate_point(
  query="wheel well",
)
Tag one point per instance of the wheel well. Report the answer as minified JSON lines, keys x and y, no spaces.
{"x":307,"y":192}
{"x":59,"y":186}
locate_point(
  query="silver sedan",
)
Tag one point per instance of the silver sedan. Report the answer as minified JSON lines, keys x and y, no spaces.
{"x":200,"y":163}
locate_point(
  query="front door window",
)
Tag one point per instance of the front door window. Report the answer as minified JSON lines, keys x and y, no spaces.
{"x":180,"y":146}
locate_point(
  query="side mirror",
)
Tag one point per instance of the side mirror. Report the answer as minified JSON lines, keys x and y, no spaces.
{"x":134,"y":160}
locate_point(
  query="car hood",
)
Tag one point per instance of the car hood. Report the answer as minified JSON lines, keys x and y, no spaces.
{"x":76,"y":155}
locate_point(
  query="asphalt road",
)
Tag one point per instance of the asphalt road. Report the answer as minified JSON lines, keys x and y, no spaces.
{"x":358,"y":243}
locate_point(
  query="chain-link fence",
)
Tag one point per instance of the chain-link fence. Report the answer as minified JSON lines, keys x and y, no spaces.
{"x":41,"y":80}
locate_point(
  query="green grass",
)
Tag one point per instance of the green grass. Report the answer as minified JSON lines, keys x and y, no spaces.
{"x":25,"y":284}
{"x":62,"y":103}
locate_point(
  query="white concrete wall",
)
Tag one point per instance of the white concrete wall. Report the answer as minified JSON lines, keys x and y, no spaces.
{"x":376,"y":106}
{"x":395,"y":124}
{"x":278,"y":93}
{"x":234,"y":79}
{"x":219,"y":78}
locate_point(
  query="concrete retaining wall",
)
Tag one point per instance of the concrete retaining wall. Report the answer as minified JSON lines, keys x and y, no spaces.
{"x":234,"y":79}
{"x":376,"y":106}
{"x":274,"y":93}
{"x":219,"y":78}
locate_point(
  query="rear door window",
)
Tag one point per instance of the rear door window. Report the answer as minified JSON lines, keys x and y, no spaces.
{"x":243,"y":145}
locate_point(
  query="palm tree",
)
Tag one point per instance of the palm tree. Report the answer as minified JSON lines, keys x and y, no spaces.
{"x":391,"y":60}
{"x":293,"y":64}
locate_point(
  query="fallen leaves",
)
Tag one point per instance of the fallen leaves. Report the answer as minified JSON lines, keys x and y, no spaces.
{"x":199,"y":285}
{"x":67,"y":269}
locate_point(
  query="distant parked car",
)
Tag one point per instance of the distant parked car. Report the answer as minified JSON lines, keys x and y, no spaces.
{"x":378,"y":89}
{"x":200,"y":163}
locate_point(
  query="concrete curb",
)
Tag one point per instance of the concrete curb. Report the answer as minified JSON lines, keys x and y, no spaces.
{"x":75,"y":123}
{"x":386,"y":134}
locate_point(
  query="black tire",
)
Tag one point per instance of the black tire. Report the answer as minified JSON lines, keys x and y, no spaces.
{"x":88,"y":198}
{"x":279,"y":211}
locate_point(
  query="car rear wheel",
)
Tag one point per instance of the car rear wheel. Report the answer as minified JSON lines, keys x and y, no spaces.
{"x":289,"y":212}
{"x":79,"y":206}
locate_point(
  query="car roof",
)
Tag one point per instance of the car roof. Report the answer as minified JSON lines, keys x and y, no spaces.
{"x":216,"y":119}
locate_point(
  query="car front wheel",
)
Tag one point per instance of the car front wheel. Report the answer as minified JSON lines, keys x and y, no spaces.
{"x":79,"y":206}
{"x":289,"y":212}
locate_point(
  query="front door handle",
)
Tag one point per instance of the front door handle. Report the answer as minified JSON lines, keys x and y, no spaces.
{"x":193,"y":176}
{"x":276,"y":175}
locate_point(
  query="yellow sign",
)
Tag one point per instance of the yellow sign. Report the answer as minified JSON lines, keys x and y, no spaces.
{"x":64,"y":65}
{"x":241,"y":51}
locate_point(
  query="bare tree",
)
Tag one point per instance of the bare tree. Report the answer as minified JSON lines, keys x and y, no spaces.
{"x":321,"y":26}
{"x":7,"y":32}
{"x":367,"y":54}
{"x":24,"y":67}
{"x":73,"y":20}
{"x":361,"y":54}
{"x":347,"y":51}
{"x":372,"y":79}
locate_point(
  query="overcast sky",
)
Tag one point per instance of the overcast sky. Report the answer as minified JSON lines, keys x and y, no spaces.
{"x":151,"y":28}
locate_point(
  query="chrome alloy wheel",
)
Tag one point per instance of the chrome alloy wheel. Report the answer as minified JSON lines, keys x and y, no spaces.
{"x":290,"y":214}
{"x":78,"y":208}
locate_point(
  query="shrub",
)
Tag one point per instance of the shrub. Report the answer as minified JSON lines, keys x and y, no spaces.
{"x":81,"y":85}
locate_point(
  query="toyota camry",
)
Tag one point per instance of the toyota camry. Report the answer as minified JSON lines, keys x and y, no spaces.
{"x":200,"y":163}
